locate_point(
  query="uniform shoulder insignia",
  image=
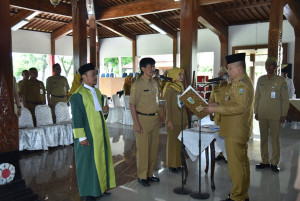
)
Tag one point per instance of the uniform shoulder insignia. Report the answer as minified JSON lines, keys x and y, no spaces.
{"x":241,"y":80}
{"x":285,"y":84}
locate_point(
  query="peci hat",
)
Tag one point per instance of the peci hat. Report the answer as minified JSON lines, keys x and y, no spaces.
{"x":284,"y":68}
{"x":85,"y":68}
{"x":272,"y":60}
{"x":235,"y":58}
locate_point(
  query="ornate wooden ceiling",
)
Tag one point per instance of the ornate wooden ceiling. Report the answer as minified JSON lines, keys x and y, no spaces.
{"x":133,"y":15}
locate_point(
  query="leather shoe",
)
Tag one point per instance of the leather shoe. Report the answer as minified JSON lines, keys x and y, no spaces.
{"x":174,"y":170}
{"x":153,"y":179}
{"x":106,"y":194}
{"x":246,"y":199}
{"x":219,"y":157}
{"x":262,"y":166}
{"x":275,"y":168}
{"x":143,"y":182}
{"x":88,"y":198}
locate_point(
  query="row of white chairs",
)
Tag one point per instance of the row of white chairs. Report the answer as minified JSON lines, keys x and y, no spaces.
{"x":44,"y":116}
{"x":119,"y":110}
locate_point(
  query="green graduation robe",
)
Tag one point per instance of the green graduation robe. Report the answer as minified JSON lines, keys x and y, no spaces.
{"x":94,"y":166}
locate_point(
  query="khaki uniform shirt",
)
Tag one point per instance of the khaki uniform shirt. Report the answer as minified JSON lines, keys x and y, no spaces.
{"x":144,"y":95}
{"x":271,"y":97}
{"x":218,"y":95}
{"x":34,"y":91}
{"x":237,"y":110}
{"x":172,"y":109}
{"x":57,"y":86}
{"x":20,"y":85}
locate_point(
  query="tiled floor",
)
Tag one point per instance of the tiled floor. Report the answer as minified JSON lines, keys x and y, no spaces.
{"x":51,"y":174}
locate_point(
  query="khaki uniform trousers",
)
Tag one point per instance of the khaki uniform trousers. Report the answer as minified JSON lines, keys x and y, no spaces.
{"x":147,"y":145}
{"x":173,"y":147}
{"x":270,"y":127}
{"x":31,"y":108}
{"x":239,"y":167}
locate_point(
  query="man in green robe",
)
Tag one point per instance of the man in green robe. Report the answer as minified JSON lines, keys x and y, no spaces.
{"x":94,"y":166}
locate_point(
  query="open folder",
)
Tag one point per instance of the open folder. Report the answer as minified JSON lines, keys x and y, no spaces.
{"x":192,"y":100}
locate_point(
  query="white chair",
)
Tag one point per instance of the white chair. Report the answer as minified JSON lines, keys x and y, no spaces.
{"x":25,"y":120}
{"x":43,"y":115}
{"x":62,"y":113}
{"x":115,"y":113}
{"x":127,"y":118}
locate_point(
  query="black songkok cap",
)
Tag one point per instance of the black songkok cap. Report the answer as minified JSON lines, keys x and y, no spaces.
{"x":85,"y":68}
{"x":235,"y":58}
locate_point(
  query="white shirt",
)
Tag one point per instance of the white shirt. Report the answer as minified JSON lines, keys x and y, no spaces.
{"x":291,"y":87}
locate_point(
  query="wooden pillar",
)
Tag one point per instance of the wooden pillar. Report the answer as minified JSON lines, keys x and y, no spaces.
{"x":52,"y":56}
{"x":188,"y":37}
{"x":275,"y":28}
{"x":92,"y":31}
{"x":296,"y":77}
{"x":79,"y":16}
{"x":135,"y":67}
{"x":9,"y":139}
{"x":175,"y":50}
{"x":98,"y":54}
{"x":224,"y":49}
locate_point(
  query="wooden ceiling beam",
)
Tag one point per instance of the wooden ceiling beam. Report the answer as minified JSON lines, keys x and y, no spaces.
{"x":44,"y":6}
{"x":212,"y":21}
{"x":245,"y":6}
{"x":15,"y":19}
{"x":62,"y":31}
{"x":290,"y":16}
{"x":294,"y":7}
{"x":152,"y":19}
{"x":135,"y":8}
{"x":118,"y":30}
{"x":209,"y":2}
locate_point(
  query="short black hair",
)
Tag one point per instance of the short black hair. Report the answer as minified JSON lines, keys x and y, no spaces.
{"x":54,"y":66}
{"x":145,"y":61}
{"x":156,"y":70}
{"x":23,"y":71}
{"x":33,"y":68}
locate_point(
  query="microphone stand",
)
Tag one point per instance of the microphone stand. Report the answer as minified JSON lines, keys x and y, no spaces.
{"x":181,"y":190}
{"x":198,"y":195}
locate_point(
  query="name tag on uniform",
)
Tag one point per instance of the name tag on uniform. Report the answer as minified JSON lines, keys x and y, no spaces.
{"x":273,"y":94}
{"x":65,"y":88}
{"x":41,"y":91}
{"x":146,"y":90}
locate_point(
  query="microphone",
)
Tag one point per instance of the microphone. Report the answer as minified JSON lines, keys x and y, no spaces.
{"x":217,"y":79}
{"x":168,"y":79}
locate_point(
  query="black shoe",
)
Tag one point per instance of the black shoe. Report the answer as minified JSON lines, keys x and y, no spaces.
{"x":144,"y":182}
{"x":219,"y":158}
{"x":106,"y":194}
{"x":174,"y":170}
{"x":88,"y":198}
{"x":275,"y":168}
{"x":153,"y":179}
{"x":262,"y":166}
{"x":246,"y":199}
{"x":180,"y":168}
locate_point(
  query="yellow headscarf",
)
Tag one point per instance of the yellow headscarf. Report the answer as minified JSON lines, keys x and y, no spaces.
{"x":128,"y":80}
{"x":75,"y":84}
{"x":173,"y":73}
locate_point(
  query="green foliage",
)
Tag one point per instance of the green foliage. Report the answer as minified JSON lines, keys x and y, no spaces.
{"x":113,"y":61}
{"x":126,"y":60}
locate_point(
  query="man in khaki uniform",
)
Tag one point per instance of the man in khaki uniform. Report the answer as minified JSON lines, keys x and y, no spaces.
{"x":270,"y":108}
{"x":218,"y":95}
{"x":144,"y":108}
{"x":57,"y":89}
{"x":25,"y":75}
{"x":33,"y":92}
{"x":236,"y":125}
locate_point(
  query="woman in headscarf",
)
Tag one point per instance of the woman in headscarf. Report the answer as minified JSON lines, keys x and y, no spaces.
{"x":127,"y":85}
{"x":173,"y":118}
{"x":75,"y":84}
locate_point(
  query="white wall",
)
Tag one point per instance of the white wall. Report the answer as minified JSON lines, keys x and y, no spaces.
{"x":155,"y":44}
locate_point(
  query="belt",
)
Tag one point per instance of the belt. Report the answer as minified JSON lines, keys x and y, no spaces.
{"x":152,"y":114}
{"x":58,"y":96}
{"x":36,"y":103}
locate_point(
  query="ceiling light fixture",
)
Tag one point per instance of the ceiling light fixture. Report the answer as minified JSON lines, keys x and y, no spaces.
{"x":55,"y":2}
{"x":153,"y":26}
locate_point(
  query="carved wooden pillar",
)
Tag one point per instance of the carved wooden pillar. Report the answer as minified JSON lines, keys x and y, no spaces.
{"x":275,"y":28}
{"x":297,"y":61}
{"x":175,"y":51}
{"x":224,"y":49}
{"x":188,"y":36}
{"x":135,"y":67}
{"x":52,"y":56}
{"x":79,"y":16}
{"x":92,"y":31}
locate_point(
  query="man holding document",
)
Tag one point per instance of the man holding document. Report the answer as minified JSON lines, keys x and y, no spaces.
{"x":236,"y":125}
